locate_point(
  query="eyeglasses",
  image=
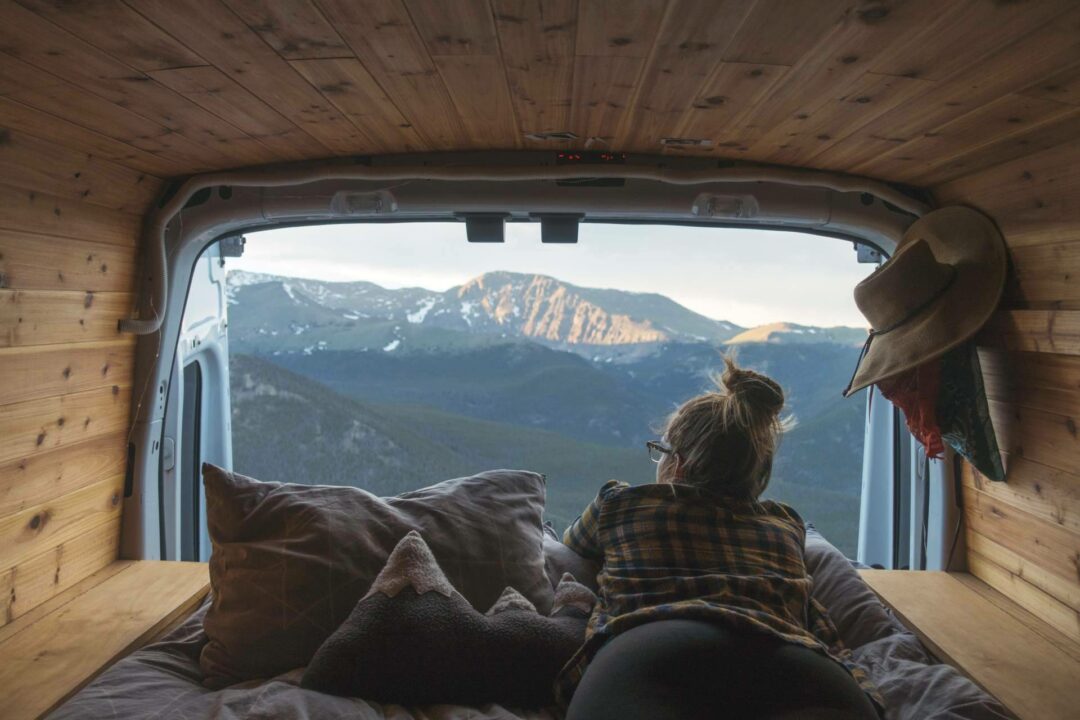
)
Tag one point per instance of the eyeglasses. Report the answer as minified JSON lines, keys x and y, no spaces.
{"x":657,"y":450}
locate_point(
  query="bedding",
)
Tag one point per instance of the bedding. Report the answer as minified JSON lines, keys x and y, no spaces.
{"x":163,"y":680}
{"x":290,"y":561}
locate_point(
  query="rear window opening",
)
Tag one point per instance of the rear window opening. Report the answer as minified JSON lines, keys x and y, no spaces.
{"x":389,"y":357}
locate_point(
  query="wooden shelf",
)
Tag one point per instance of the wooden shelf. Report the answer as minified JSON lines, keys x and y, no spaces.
{"x":1023,"y":662}
{"x":50,"y":655}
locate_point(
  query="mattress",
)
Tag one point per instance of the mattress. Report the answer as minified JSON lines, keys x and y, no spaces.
{"x":162,"y":681}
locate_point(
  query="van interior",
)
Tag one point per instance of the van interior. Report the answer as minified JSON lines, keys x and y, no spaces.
{"x":145,"y":144}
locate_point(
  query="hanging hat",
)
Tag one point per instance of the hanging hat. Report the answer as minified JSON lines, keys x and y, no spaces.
{"x":939,"y":287}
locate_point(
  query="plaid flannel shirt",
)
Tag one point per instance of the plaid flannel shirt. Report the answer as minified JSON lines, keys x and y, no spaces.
{"x":680,"y":551}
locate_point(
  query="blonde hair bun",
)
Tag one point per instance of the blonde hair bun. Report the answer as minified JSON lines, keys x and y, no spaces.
{"x":753,"y":390}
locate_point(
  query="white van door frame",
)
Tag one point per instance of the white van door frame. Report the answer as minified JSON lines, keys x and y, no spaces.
{"x":662,"y":190}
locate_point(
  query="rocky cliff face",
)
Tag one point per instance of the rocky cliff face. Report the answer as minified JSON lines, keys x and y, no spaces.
{"x":542,"y":308}
{"x":535,"y":307}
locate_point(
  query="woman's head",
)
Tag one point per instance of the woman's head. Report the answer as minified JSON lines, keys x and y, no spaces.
{"x":725,"y":440}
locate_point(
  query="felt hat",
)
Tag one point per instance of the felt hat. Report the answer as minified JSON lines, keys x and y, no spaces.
{"x":939,"y":287}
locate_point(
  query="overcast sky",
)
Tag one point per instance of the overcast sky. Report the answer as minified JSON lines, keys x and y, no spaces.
{"x":749,"y":277}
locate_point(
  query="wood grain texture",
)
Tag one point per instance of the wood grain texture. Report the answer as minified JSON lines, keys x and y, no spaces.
{"x":39,"y":42}
{"x":214,"y":91}
{"x":195,"y":85}
{"x":25,"y":115}
{"x":48,"y":317}
{"x":1049,"y":331}
{"x":118,"y":30}
{"x":49,"y":660}
{"x":38,"y":212}
{"x":382,"y":36}
{"x":1031,"y":587}
{"x":352,"y":90}
{"x":539,"y":65}
{"x":34,"y":530}
{"x":294,"y":28}
{"x":242,"y":55}
{"x":34,"y":373}
{"x":1045,"y":492}
{"x":1024,"y":615}
{"x":37,"y":479}
{"x":35,"y":164}
{"x":1031,"y":676}
{"x":39,"y":426}
{"x":1052,"y":547}
{"x":30,"y":261}
{"x":28,"y":590}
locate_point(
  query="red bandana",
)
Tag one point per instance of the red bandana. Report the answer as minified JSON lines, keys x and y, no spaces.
{"x":916,"y":393}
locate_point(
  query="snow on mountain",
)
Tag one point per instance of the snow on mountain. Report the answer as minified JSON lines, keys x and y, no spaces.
{"x":497,"y":304}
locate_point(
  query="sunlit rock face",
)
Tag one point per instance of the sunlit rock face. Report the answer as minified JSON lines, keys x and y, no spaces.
{"x":543,"y":308}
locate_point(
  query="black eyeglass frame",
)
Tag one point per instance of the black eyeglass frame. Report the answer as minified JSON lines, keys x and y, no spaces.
{"x":659,"y":447}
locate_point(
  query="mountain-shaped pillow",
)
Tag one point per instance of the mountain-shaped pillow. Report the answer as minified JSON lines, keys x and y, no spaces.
{"x":413,"y":639}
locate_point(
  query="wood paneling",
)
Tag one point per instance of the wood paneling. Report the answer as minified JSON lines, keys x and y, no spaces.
{"x":34,"y":530}
{"x":39,"y":212}
{"x":35,"y":164}
{"x":52,"y":658}
{"x":294,"y":28}
{"x":35,"y":581}
{"x":539,"y":66}
{"x":46,"y":317}
{"x":39,"y":426}
{"x":1023,"y":535}
{"x":905,"y":91}
{"x":41,"y":478}
{"x":1032,"y":677}
{"x":70,"y":213}
{"x":32,"y":373}
{"x":1015,"y":576}
{"x":42,"y":262}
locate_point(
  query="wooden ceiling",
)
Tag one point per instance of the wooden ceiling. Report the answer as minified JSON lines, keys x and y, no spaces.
{"x":919,"y":91}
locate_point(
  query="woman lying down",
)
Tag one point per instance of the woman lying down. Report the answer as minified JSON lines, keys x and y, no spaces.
{"x":704,"y":607}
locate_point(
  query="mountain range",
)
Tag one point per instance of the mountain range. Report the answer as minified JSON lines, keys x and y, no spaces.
{"x":591,"y":322}
{"x":394,"y":389}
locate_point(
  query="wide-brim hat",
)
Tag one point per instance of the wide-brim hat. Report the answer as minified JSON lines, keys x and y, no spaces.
{"x":937,"y":290}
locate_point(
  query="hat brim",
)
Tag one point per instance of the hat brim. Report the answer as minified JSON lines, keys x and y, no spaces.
{"x":969,"y":241}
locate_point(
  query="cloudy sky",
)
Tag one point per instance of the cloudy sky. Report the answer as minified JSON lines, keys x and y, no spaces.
{"x":749,"y":277}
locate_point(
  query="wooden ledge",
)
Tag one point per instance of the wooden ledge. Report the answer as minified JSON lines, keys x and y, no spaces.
{"x":1022,"y":661}
{"x":48,"y":656}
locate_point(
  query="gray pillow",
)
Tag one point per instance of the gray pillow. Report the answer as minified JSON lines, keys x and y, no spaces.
{"x":413,"y":639}
{"x":560,"y":560}
{"x":289,"y":562}
{"x":853,"y":607}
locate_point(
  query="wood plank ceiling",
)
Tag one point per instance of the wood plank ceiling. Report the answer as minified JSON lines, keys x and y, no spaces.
{"x":918,"y":91}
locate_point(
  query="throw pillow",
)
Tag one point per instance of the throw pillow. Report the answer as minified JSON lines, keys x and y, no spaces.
{"x":290,"y":561}
{"x":414,"y":639}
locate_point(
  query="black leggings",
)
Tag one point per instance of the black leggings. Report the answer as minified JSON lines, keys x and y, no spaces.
{"x":691,"y":669}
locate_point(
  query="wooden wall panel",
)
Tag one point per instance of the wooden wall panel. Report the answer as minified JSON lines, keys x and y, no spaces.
{"x":1023,"y":536}
{"x":37,"y":579}
{"x":71,"y":206}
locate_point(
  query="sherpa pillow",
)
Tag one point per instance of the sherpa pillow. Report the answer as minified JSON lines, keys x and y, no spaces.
{"x":290,"y":561}
{"x":413,"y":639}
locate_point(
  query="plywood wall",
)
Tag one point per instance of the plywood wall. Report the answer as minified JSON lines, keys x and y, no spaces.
{"x":69,"y":226}
{"x":1023,"y":536}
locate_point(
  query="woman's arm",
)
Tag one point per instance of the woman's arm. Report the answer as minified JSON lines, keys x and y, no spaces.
{"x":582,"y":536}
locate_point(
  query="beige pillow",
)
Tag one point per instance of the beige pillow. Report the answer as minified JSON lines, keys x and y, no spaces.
{"x":290,"y":562}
